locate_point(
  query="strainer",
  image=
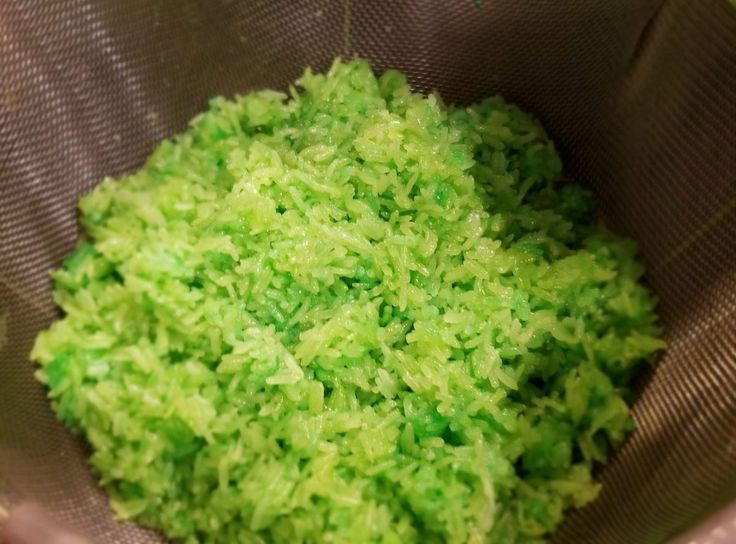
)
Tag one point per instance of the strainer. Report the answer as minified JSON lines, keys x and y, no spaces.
{"x":640,"y":95}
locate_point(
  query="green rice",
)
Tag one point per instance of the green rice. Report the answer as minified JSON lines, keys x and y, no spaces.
{"x":350,"y":314}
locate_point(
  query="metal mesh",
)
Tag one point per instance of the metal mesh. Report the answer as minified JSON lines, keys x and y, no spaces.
{"x":639,"y":94}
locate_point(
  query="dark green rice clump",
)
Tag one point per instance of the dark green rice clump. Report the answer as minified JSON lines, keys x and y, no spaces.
{"x":352,"y":314}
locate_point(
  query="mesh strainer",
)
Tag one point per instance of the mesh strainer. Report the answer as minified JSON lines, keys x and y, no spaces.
{"x":639,"y":94}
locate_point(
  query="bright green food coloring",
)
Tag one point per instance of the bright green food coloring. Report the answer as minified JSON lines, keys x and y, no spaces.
{"x":351,"y":314}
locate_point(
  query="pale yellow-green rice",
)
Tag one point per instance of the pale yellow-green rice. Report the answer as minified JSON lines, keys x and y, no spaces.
{"x":350,"y":314}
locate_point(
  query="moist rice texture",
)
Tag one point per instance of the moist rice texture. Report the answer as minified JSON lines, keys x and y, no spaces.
{"x":348,"y":314}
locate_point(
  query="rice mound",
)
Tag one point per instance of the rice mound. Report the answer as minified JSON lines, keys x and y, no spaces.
{"x":351,"y":314}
